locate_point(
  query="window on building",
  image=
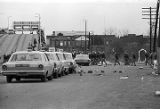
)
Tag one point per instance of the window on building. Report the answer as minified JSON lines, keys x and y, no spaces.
{"x":61,"y":43}
{"x":69,"y":43}
{"x":65,"y":43}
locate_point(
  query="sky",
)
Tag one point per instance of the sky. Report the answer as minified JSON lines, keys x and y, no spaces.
{"x":68,"y":15}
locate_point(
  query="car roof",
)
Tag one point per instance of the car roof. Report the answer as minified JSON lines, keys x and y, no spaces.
{"x":17,"y":52}
{"x":67,"y":53}
{"x":82,"y":54}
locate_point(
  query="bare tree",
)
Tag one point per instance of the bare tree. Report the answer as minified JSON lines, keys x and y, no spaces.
{"x":111,"y":31}
{"x":125,"y":32}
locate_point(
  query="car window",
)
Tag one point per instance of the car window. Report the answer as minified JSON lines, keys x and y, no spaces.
{"x":82,"y":56}
{"x":51,"y":57}
{"x":60,"y":56}
{"x":68,"y":56}
{"x":26,"y":57}
{"x":46,"y":57}
{"x":57,"y":56}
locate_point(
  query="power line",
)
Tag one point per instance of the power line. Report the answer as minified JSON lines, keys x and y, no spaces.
{"x":149,"y":13}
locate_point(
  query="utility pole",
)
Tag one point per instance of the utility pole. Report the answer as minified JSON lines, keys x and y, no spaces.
{"x":89,"y":42}
{"x":85,"y":35}
{"x":158,"y":45}
{"x":155,"y":31}
{"x":39,"y":31}
{"x":8,"y":21}
{"x":149,"y":12}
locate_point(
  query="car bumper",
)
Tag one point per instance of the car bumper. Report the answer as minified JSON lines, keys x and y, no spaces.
{"x":24,"y":73}
{"x":82,"y":62}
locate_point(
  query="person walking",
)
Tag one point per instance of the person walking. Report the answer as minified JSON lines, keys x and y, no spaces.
{"x":116,"y":59}
{"x":126,"y":58}
{"x":146,"y":58}
{"x":133,"y":59}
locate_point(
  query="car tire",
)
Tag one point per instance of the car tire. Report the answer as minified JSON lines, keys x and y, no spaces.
{"x":50,"y":77}
{"x":18,"y":79}
{"x":55,"y":75}
{"x":9,"y":79}
{"x":44,"y":78}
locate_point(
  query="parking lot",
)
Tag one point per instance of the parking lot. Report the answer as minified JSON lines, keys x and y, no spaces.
{"x":118,"y":87}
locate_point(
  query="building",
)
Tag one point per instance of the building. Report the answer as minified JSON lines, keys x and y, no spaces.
{"x":68,"y":43}
{"x":71,"y":33}
{"x":79,"y":42}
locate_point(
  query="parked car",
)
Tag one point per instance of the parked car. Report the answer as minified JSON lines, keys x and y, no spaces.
{"x":27,"y":64}
{"x":82,"y":59}
{"x":62,"y":60}
{"x":70,"y":64}
{"x":57,"y":64}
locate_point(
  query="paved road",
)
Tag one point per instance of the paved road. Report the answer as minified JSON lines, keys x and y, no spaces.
{"x":108,"y":90}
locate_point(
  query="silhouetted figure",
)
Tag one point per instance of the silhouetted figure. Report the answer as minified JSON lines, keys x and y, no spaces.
{"x":126,"y":58}
{"x":133,"y":59}
{"x":147,"y":58}
{"x":116,"y":59}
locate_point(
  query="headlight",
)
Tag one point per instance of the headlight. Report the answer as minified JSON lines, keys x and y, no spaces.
{"x":40,"y":66}
{"x":4,"y":67}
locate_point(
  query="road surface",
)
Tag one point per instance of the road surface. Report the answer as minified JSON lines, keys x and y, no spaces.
{"x":119,"y":87}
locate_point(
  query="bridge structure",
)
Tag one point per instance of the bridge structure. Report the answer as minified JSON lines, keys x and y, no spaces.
{"x":23,"y":26}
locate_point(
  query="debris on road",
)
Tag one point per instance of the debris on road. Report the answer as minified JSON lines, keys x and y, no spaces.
{"x":142,"y":78}
{"x":157,"y":93}
{"x":120,"y":71}
{"x":102,"y":71}
{"x":154,"y":73}
{"x":124,"y":77}
{"x":114,"y":71}
{"x":80,"y":72}
{"x":140,"y":67}
{"x":90,"y":71}
{"x":99,"y":74}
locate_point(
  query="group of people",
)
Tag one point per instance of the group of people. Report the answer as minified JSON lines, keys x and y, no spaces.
{"x":97,"y":57}
{"x":127,"y":59}
{"x":6,"y":57}
{"x":131,"y":59}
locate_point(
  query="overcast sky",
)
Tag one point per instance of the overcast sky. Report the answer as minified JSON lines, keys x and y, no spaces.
{"x":68,"y":15}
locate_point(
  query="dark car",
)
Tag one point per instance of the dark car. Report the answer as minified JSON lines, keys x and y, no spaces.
{"x":82,"y":59}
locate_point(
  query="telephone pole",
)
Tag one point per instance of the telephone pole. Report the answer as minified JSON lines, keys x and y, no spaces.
{"x":85,"y":36}
{"x":155,"y":31}
{"x":149,"y":13}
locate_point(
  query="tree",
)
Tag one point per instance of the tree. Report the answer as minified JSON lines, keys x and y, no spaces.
{"x":111,"y":31}
{"x":125,"y":32}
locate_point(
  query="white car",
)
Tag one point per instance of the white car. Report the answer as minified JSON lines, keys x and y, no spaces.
{"x":57,"y":64}
{"x":62,"y":60}
{"x":70,"y":64}
{"x":27,"y":64}
{"x":82,"y":59}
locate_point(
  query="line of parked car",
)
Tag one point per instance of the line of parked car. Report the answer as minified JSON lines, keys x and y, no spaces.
{"x":43,"y":65}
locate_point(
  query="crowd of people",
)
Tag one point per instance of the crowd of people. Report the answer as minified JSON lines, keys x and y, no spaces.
{"x":132,"y":58}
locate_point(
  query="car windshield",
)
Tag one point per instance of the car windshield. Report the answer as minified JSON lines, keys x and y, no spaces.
{"x":68,"y":56}
{"x":26,"y":57}
{"x":82,"y":56}
{"x":51,"y":57}
{"x":60,"y":56}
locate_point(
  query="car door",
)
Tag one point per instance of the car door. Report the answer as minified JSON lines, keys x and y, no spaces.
{"x":48,"y":64}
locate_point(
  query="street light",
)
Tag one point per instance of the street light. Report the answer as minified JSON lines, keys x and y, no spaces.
{"x":8,"y":21}
{"x":39,"y":28}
